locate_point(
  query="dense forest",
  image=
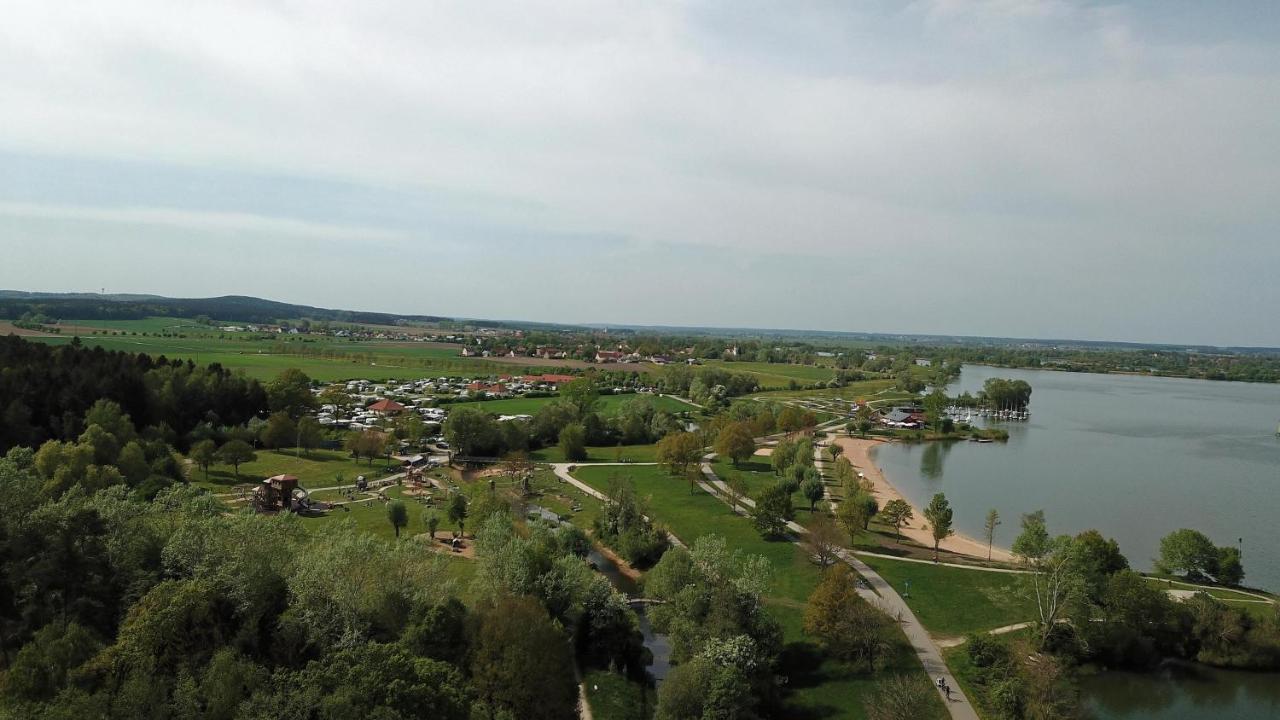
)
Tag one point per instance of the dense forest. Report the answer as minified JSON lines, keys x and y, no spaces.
{"x":45,"y":392}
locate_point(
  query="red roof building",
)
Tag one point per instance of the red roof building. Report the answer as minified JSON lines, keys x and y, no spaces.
{"x":386,"y":407}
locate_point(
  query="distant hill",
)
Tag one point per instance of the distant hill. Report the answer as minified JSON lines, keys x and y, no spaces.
{"x":81,"y":306}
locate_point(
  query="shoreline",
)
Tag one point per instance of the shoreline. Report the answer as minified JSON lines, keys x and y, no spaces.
{"x":861,"y":453}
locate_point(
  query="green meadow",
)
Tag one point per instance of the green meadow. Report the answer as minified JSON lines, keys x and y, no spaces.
{"x":264,"y":357}
{"x":609,"y":404}
{"x":819,"y":686}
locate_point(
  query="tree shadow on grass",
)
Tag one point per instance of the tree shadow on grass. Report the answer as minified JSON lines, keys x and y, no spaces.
{"x":807,"y":667}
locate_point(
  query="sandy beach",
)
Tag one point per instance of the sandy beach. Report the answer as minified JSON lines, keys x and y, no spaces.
{"x":859,"y":452}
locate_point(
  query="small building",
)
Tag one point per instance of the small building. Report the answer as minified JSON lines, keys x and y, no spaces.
{"x":385,"y":407}
{"x":904,"y":418}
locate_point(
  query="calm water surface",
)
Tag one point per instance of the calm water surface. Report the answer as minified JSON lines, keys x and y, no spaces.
{"x":1182,"y":692}
{"x":1134,"y":457}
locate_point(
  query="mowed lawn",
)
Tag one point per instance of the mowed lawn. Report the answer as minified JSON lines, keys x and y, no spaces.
{"x":951,"y":601}
{"x":316,"y":469}
{"x":603,"y":454}
{"x":819,"y":687}
{"x":608,"y":405}
{"x":866,"y":389}
{"x":778,"y":375}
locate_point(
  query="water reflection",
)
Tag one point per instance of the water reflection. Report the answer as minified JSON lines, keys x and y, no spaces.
{"x":1182,"y":691}
{"x":658,"y":645}
{"x":931,"y":460}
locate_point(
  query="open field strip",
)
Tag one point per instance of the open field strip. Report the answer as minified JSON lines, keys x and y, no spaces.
{"x":609,"y":404}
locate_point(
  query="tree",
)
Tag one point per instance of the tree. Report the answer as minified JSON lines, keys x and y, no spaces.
{"x":835,"y":450}
{"x":1100,"y":558}
{"x":397,"y":515}
{"x":366,"y":443}
{"x":813,"y":491}
{"x":989,"y":528}
{"x":204,"y":454}
{"x":1188,"y":553}
{"x":823,"y":540}
{"x":1034,"y":541}
{"x":573,"y":442}
{"x":855,"y":513}
{"x":309,"y":434}
{"x":678,"y":451}
{"x":864,"y":415}
{"x":336,"y":396}
{"x":458,"y":512}
{"x":281,"y":431}
{"x":935,"y":405}
{"x":773,"y":510}
{"x":737,"y":490}
{"x":235,"y":453}
{"x":1230,"y":566}
{"x":522,"y":664}
{"x":899,"y":697}
{"x":1056,"y":582}
{"x":432,"y":520}
{"x":702,"y":688}
{"x":939,"y":515}
{"x":516,"y":467}
{"x":847,"y":626}
{"x":793,"y":419}
{"x":472,"y":432}
{"x":782,"y":456}
{"x":897,"y":512}
{"x":582,"y":396}
{"x":735,"y":442}
{"x":133,"y":463}
{"x":290,"y":393}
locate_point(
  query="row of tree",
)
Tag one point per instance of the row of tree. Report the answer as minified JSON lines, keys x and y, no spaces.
{"x":45,"y":391}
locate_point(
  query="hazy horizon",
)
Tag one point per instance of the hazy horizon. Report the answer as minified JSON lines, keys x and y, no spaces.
{"x":1013,"y":168}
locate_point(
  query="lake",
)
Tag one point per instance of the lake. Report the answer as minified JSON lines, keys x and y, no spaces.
{"x":1135,"y":457}
{"x":1182,"y":691}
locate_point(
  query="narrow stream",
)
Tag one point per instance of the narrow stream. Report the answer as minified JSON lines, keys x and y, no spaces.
{"x":658,"y":645}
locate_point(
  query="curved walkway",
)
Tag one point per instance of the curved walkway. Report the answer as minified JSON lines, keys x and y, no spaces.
{"x":562,"y":472}
{"x":881,"y":594}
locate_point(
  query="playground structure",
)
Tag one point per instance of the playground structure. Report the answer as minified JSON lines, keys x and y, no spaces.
{"x":282,"y":493}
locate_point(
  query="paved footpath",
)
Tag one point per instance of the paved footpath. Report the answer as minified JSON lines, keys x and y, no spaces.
{"x":562,"y":472}
{"x":881,"y":594}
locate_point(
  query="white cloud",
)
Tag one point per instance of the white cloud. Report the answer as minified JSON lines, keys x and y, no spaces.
{"x":822,"y":131}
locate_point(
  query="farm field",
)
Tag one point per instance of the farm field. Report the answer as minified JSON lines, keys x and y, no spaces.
{"x":325,"y":360}
{"x":820,"y":687}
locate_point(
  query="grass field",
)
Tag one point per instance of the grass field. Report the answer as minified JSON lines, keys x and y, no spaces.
{"x":613,"y":697}
{"x":314,"y":470}
{"x":819,"y":687}
{"x":604,"y":453}
{"x":608,"y":405}
{"x":863,"y":389}
{"x":323,"y":358}
{"x":772,"y":376}
{"x":952,"y":602}
{"x":757,"y":474}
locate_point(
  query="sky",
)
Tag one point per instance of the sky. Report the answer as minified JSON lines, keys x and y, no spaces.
{"x":1023,"y":168}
